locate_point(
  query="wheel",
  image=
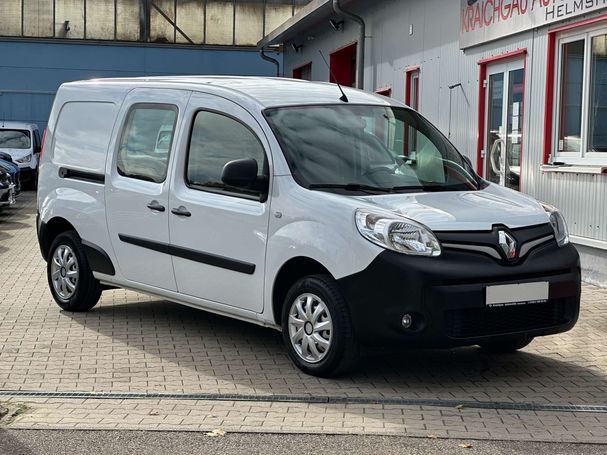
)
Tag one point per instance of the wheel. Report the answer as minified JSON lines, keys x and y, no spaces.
{"x":505,"y":347}
{"x":69,"y":275}
{"x":316,"y":327}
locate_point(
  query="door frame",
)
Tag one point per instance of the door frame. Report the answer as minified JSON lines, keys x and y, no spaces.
{"x":504,"y":68}
{"x":483,"y":88}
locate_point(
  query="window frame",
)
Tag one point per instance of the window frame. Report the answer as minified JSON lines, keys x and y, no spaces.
{"x":261,"y":198}
{"x":132,"y":108}
{"x":297,"y":71}
{"x":584,"y":157}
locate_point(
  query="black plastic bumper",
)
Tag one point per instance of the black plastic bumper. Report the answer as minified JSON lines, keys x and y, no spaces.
{"x":446,"y":297}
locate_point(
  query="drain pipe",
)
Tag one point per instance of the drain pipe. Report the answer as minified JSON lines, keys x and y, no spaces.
{"x":267,"y":58}
{"x":361,"y":42}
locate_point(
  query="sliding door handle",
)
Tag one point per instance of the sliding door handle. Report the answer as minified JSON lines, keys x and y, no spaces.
{"x":155,"y":206}
{"x":181,"y":211}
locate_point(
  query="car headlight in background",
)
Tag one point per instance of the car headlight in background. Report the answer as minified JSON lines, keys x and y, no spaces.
{"x":561,"y":233}
{"x":396,"y":233}
{"x":25,"y":159}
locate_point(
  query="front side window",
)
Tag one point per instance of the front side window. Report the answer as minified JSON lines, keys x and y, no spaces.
{"x":364,"y":149}
{"x":15,"y":139}
{"x":146,"y":142}
{"x":582,"y":94}
{"x":215,"y":141}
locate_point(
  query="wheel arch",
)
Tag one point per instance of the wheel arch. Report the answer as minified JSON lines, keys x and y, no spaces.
{"x":291,"y":271}
{"x":49,"y":231}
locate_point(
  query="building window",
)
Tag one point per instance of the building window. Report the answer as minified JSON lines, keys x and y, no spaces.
{"x":581,"y":94}
{"x":412,"y":87}
{"x":303,"y":72}
{"x":343,"y":66}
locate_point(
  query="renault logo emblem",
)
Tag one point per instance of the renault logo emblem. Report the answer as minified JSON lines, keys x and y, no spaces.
{"x":507,"y":244}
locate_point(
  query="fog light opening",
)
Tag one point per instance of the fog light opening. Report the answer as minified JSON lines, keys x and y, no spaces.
{"x":407,"y":321}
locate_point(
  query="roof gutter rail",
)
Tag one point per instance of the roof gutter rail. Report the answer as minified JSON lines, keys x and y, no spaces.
{"x":361,"y":42}
{"x":267,"y":58}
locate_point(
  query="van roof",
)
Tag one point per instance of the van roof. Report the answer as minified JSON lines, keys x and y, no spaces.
{"x":264,"y":91}
{"x":6,"y":125}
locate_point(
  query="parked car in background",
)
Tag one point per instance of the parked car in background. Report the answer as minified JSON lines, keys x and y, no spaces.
{"x":6,"y":163}
{"x":22,"y":142}
{"x":7,"y":189}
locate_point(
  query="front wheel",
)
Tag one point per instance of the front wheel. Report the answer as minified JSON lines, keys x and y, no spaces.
{"x":505,"y":347}
{"x":316,"y":327}
{"x":70,"y":278}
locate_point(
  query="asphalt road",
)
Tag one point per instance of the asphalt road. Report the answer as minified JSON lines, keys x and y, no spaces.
{"x":34,"y":442}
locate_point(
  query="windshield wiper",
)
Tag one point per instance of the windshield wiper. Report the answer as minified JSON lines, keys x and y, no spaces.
{"x":349,"y":187}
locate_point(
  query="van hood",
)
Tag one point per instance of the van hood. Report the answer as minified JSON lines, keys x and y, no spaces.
{"x":464,"y":210}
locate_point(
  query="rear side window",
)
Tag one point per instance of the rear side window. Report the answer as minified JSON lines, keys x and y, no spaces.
{"x":83,"y":134}
{"x":146,"y":142}
{"x":15,"y":139}
{"x":216,"y":140}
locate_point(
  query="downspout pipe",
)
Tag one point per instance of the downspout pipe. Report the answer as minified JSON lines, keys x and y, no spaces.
{"x":267,"y":58}
{"x":361,"y":41}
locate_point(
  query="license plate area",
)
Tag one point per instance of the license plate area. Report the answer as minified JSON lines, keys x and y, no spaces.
{"x":516,"y":294}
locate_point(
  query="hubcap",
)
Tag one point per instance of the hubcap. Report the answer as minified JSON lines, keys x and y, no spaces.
{"x":64,"y":272}
{"x":310,"y":327}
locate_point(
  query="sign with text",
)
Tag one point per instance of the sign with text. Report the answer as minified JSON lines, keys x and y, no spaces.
{"x":487,"y":20}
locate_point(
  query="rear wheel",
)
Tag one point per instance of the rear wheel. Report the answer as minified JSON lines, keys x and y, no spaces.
{"x":70,"y":278}
{"x":505,"y":347}
{"x":316,"y":327}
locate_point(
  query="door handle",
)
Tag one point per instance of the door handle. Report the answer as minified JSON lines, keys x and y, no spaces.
{"x":181,"y":211}
{"x":156,"y":207}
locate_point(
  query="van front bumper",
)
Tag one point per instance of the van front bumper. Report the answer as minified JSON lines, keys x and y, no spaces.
{"x":445,"y":297}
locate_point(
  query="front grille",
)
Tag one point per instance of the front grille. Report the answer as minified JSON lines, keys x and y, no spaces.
{"x":475,"y":322}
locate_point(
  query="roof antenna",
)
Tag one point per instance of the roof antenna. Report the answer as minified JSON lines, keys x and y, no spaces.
{"x":343,"y":97}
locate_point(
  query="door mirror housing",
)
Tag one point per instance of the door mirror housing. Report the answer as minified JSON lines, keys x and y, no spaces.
{"x":240,"y":173}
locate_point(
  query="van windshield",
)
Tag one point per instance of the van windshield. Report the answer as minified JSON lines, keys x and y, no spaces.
{"x":368,"y":149}
{"x":15,"y":139}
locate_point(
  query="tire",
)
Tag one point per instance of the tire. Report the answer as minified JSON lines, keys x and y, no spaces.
{"x":76,"y":293}
{"x":339,"y":352}
{"x":505,"y":347}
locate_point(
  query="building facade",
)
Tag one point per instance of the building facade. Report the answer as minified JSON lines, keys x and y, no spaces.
{"x":44,"y":43}
{"x":519,"y":86}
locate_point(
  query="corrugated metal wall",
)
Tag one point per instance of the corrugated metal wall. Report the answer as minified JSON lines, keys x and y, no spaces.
{"x":426,"y":33}
{"x":31,"y":72}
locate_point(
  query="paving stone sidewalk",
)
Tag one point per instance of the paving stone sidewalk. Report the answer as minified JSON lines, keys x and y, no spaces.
{"x":135,"y":343}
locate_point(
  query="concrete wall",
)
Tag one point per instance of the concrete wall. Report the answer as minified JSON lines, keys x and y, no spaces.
{"x":31,"y":72}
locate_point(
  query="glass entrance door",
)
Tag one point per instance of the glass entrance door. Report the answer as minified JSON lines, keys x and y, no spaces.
{"x":504,"y":123}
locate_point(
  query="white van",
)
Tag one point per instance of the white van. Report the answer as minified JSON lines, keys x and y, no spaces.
{"x":22,"y":142}
{"x":344,"y":224}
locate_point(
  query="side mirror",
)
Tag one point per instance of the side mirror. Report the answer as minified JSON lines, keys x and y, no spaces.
{"x":240,"y":173}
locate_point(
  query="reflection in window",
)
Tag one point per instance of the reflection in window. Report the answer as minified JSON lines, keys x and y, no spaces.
{"x":216,"y":140}
{"x":597,"y":117}
{"x":146,"y":142}
{"x":570,"y":135}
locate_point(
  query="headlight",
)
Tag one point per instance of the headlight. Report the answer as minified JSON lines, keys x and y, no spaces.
{"x":397,"y":233}
{"x":25,"y":159}
{"x":561,"y":233}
